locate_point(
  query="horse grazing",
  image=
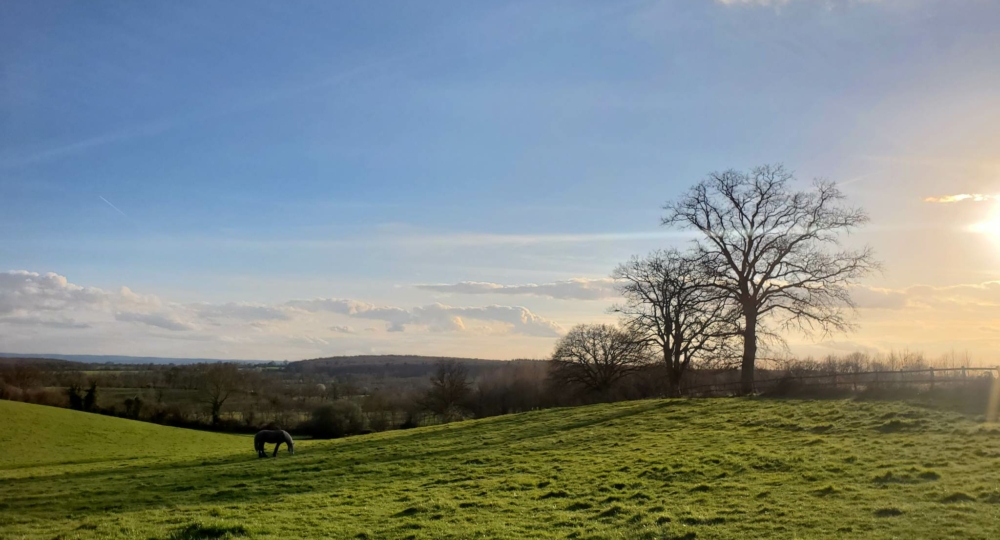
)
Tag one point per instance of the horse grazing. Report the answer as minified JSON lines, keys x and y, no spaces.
{"x":276,"y":436}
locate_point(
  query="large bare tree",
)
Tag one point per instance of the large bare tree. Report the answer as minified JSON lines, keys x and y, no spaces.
{"x":596,"y":356}
{"x":775,"y":250}
{"x":672,"y":303}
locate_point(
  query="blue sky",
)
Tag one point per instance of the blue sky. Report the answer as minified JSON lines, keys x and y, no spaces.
{"x":209,"y":153}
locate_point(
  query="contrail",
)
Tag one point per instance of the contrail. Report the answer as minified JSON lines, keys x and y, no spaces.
{"x":112,"y":206}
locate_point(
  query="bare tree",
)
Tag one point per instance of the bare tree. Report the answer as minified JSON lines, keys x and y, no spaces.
{"x":450,"y":390}
{"x":217,"y":383}
{"x":671,"y":303}
{"x":775,"y":251}
{"x":597,"y":356}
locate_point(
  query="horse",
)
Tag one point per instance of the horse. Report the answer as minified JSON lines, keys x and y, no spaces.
{"x":276,"y":436}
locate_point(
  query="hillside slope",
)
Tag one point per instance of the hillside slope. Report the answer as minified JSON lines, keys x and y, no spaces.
{"x":33,"y":435}
{"x":726,"y":468}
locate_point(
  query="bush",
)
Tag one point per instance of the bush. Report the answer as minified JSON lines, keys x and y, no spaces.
{"x":342,"y":417}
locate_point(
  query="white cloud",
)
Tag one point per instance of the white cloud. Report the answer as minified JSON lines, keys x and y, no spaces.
{"x":961,"y":197}
{"x":33,"y":292}
{"x":518,"y":319}
{"x":56,"y":322}
{"x":572,"y":289}
{"x":396,"y":317}
{"x":777,"y":3}
{"x":436,"y":317}
{"x":753,"y":2}
{"x":964,"y":296}
{"x":241,"y":311}
{"x":160,"y":320}
{"x":878,"y":298}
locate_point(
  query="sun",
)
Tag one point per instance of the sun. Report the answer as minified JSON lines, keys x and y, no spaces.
{"x":990,"y":226}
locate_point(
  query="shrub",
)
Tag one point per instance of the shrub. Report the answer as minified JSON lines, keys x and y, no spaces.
{"x":342,"y":417}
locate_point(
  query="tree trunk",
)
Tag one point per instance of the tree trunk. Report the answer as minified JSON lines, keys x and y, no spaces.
{"x":749,"y":353}
{"x":674,"y":383}
{"x":673,"y":375}
{"x":216,"y":409}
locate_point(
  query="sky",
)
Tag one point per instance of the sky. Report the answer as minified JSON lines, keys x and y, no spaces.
{"x":291,"y":180}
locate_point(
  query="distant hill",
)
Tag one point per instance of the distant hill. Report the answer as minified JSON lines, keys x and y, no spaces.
{"x":390,"y":365}
{"x":40,"y":362}
{"x":118,"y":359}
{"x":386,"y":359}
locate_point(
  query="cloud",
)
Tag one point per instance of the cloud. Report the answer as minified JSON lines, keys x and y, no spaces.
{"x":752,"y":2}
{"x":396,"y":317}
{"x":877,"y":298}
{"x":160,"y":320}
{"x":32,"y":292}
{"x":342,"y":329}
{"x":964,"y":296}
{"x":241,"y":311}
{"x":519,"y":319}
{"x":778,"y":3}
{"x":58,"y":322}
{"x":572,"y":289}
{"x":961,"y":197}
{"x":436,"y":317}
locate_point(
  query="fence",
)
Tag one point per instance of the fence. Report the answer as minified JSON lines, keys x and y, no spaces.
{"x":728,"y":383}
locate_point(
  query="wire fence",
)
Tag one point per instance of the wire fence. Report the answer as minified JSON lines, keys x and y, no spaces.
{"x":728,"y":382}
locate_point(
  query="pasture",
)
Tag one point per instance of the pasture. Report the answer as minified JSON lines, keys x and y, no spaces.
{"x":711,"y":468}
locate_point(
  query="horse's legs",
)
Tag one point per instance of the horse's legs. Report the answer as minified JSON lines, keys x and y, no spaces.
{"x":276,"y":447}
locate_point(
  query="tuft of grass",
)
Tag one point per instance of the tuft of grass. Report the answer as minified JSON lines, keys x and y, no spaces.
{"x":200,"y":531}
{"x":825,"y":492}
{"x":614,"y":510}
{"x":958,"y":498}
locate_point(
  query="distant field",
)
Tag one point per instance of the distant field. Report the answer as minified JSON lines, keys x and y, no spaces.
{"x":725,"y":468}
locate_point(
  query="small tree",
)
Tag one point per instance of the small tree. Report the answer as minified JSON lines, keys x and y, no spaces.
{"x":597,"y":356}
{"x":769,"y":249}
{"x":75,"y":400}
{"x":342,"y":417}
{"x":90,"y":398}
{"x":217,"y":383}
{"x":671,"y":303}
{"x":449,"y":391}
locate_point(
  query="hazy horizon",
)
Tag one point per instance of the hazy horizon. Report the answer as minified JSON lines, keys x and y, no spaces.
{"x":456,"y":179}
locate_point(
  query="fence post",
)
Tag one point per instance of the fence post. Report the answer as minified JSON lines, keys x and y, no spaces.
{"x":932,"y":378}
{"x":963,"y":373}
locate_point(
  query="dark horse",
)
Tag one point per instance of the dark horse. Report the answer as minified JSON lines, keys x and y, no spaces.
{"x":276,"y":436}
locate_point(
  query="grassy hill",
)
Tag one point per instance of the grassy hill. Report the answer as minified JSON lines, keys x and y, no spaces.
{"x":33,"y":435}
{"x":726,"y":468}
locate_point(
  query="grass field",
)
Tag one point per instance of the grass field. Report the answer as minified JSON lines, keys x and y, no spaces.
{"x":725,"y":468}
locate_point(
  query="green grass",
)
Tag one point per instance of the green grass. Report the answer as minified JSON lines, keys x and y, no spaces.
{"x":726,"y":468}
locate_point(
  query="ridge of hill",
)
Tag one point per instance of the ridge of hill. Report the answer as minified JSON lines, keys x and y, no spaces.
{"x":389,"y":360}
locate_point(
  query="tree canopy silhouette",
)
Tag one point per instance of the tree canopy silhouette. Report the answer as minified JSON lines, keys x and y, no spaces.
{"x":672,"y":303}
{"x":775,"y":251}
